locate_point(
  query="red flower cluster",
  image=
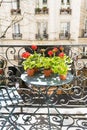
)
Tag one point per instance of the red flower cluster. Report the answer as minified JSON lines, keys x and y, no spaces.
{"x":55,"y":49}
{"x":26,"y":55}
{"x":61,"y":48}
{"x":34,"y":47}
{"x":50,"y":53}
{"x":61,"y":55}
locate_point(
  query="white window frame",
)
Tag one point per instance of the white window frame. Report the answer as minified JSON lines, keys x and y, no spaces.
{"x":66,"y":27}
{"x":16,"y":28}
{"x":44,"y":2}
{"x":14,"y":4}
{"x":41,"y":27}
{"x":65,"y":3}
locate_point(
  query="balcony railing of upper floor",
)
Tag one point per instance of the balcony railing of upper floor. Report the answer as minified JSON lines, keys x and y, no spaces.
{"x":64,"y":36}
{"x":15,"y":11}
{"x":17,"y":36}
{"x":43,"y":10}
{"x":65,"y":11}
{"x":41,"y":36}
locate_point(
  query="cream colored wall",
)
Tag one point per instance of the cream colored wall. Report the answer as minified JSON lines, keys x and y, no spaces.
{"x":75,"y":19}
{"x":83,"y":16}
{"x":28,"y":23}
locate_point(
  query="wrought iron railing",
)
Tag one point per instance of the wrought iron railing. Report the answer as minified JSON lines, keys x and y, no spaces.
{"x":41,"y":36}
{"x":64,"y":36}
{"x":74,"y":94}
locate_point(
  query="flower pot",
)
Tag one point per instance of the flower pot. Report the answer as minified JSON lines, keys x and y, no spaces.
{"x":47,"y":72}
{"x":63,"y":77}
{"x":30,"y":72}
{"x":60,"y":91}
{"x":1,"y":71}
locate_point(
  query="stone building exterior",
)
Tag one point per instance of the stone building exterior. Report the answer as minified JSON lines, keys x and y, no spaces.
{"x":43,"y":21}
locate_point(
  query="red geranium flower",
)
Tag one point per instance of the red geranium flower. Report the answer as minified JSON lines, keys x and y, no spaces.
{"x":61,"y":55}
{"x":50,"y":53}
{"x":61,"y":48}
{"x":55,"y":49}
{"x":26,"y":55}
{"x":34,"y":47}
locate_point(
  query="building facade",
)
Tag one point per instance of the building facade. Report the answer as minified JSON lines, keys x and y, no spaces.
{"x":43,"y":21}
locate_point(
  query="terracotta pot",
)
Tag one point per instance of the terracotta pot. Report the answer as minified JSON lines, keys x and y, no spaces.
{"x":30,"y":72}
{"x":63,"y":77}
{"x":1,"y":71}
{"x":47,"y":72}
{"x":59,"y":91}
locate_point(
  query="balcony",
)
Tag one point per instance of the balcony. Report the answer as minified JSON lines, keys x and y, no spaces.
{"x":63,"y":36}
{"x":65,"y":11}
{"x":66,"y":110}
{"x":44,"y":10}
{"x":41,"y":36}
{"x":17,"y":36}
{"x":15,"y":11}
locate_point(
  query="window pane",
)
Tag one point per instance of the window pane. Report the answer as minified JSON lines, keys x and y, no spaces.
{"x":44,"y":1}
{"x":62,"y":1}
{"x":68,"y":1}
{"x":16,"y":28}
{"x":15,"y":4}
{"x":65,"y":27}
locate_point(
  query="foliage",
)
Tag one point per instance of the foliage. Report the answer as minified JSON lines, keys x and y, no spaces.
{"x":47,"y":62}
{"x":33,"y":61}
{"x":59,"y":64}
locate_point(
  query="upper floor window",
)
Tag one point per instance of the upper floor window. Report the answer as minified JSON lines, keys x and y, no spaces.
{"x":44,"y":1}
{"x":16,"y":4}
{"x":16,"y":28}
{"x":65,"y":2}
{"x":64,"y":30}
{"x":16,"y":31}
{"x":42,"y":32}
{"x":86,"y":25}
{"x":65,"y":27}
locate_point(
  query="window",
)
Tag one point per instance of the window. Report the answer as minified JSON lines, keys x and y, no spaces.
{"x":65,"y":28}
{"x":15,"y":4}
{"x":65,"y":3}
{"x":86,"y":26}
{"x":16,"y":31}
{"x":42,"y":28}
{"x":44,"y":1}
{"x":62,"y":1}
{"x":45,"y":28}
{"x":16,"y":28}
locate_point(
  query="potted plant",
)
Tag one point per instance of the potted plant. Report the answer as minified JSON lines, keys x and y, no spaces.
{"x":47,"y":66}
{"x":31,"y":64}
{"x":61,"y":65}
{"x":1,"y":66}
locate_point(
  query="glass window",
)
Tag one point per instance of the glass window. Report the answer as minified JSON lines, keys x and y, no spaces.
{"x":62,"y":1}
{"x":86,"y":26}
{"x":65,"y":2}
{"x":68,"y":1}
{"x":44,"y":1}
{"x":15,"y":4}
{"x":65,"y":27}
{"x":42,"y":27}
{"x":16,"y":28}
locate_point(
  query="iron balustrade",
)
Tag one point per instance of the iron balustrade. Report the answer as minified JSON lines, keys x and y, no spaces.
{"x":74,"y":94}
